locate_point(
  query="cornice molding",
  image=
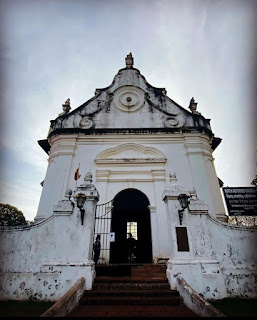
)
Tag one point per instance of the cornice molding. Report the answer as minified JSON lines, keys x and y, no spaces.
{"x":62,"y":146}
{"x":132,"y":131}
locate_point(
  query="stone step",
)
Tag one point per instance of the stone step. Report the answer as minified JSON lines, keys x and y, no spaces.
{"x":149,"y":268}
{"x":127,"y":311}
{"x":128,"y":292}
{"x":138,"y":300}
{"x":128,"y":280}
{"x":113,"y":270}
{"x":127,"y":270}
{"x":131,"y":286}
{"x":144,"y":293}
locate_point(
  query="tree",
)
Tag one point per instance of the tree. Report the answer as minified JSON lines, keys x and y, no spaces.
{"x":11,"y":216}
{"x":248,"y":221}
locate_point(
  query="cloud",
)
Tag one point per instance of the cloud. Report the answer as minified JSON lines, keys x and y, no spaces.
{"x":54,"y":50}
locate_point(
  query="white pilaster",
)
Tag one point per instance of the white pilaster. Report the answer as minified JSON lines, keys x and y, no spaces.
{"x":197,"y":149}
{"x":56,"y":180}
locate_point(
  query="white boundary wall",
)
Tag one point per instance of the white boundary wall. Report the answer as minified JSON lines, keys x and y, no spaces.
{"x":45,"y":260}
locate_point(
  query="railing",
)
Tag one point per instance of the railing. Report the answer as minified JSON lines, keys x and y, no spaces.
{"x":103,"y":219}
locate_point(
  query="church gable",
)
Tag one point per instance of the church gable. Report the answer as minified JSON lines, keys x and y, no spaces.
{"x":129,"y":102}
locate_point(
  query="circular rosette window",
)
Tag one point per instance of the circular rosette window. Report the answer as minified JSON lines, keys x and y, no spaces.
{"x":128,"y":98}
{"x":86,"y":123}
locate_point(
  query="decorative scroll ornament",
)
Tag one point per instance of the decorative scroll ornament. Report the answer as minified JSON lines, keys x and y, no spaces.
{"x":171,"y":122}
{"x":86,"y":123}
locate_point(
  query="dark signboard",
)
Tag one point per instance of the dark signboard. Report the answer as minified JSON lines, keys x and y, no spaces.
{"x":241,"y":201}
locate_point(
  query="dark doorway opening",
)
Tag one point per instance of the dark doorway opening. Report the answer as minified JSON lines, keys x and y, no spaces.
{"x":131,"y":215}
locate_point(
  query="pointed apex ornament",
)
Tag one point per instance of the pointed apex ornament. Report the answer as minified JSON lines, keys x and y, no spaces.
{"x":129,"y":61}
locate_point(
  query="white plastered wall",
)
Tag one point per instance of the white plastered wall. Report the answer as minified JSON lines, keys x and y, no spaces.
{"x":143,"y":162}
{"x":43,"y":261}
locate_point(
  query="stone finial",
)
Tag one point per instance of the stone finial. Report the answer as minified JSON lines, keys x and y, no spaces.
{"x":193,"y":105}
{"x":129,"y":60}
{"x":88,"y":178}
{"x":65,"y":107}
{"x":173,"y":177}
{"x":68,"y":193}
{"x":87,"y":189}
{"x":64,"y":206}
{"x":196,"y":206}
{"x":173,"y":189}
{"x":192,"y":193}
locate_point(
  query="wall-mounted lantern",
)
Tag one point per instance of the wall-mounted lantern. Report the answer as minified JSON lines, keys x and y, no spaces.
{"x":81,"y":198}
{"x":183,"y":200}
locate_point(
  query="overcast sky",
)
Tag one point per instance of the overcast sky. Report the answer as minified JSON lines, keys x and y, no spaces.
{"x":52,"y":50}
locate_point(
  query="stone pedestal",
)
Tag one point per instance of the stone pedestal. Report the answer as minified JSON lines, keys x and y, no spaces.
{"x":87,"y":220}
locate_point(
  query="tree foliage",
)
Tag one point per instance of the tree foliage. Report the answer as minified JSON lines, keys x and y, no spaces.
{"x":11,"y":216}
{"x":248,"y":221}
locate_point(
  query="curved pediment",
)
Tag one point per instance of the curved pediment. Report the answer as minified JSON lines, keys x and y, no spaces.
{"x":130,"y":153}
{"x":130,"y":102}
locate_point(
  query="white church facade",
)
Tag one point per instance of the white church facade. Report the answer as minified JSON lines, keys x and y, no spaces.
{"x":129,"y":160}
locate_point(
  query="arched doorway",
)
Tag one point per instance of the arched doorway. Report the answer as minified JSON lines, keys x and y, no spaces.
{"x":131,"y":215}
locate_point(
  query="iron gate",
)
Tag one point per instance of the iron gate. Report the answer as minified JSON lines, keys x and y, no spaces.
{"x":103,"y":217}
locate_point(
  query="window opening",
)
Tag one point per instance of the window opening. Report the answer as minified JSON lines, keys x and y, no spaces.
{"x":182,"y":239}
{"x":132,"y":228}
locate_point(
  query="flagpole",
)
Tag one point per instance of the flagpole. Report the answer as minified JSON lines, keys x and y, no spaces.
{"x":77,"y":177}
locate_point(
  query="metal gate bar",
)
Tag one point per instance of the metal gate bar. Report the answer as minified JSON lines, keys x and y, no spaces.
{"x":103,"y":217}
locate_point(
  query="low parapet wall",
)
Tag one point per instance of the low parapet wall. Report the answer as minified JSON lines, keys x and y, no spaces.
{"x":68,"y":302}
{"x":195,"y":302}
{"x":42,"y":261}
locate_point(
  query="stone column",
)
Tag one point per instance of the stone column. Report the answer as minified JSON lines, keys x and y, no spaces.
{"x":154,"y":228}
{"x":102,"y":177}
{"x":160,"y":237}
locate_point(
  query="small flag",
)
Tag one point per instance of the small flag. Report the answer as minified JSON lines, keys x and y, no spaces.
{"x":77,"y":175}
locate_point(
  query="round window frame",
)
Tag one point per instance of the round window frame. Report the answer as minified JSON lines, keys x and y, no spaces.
{"x":128,"y":91}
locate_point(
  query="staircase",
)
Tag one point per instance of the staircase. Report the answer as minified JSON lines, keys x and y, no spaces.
{"x":145,"y":293}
